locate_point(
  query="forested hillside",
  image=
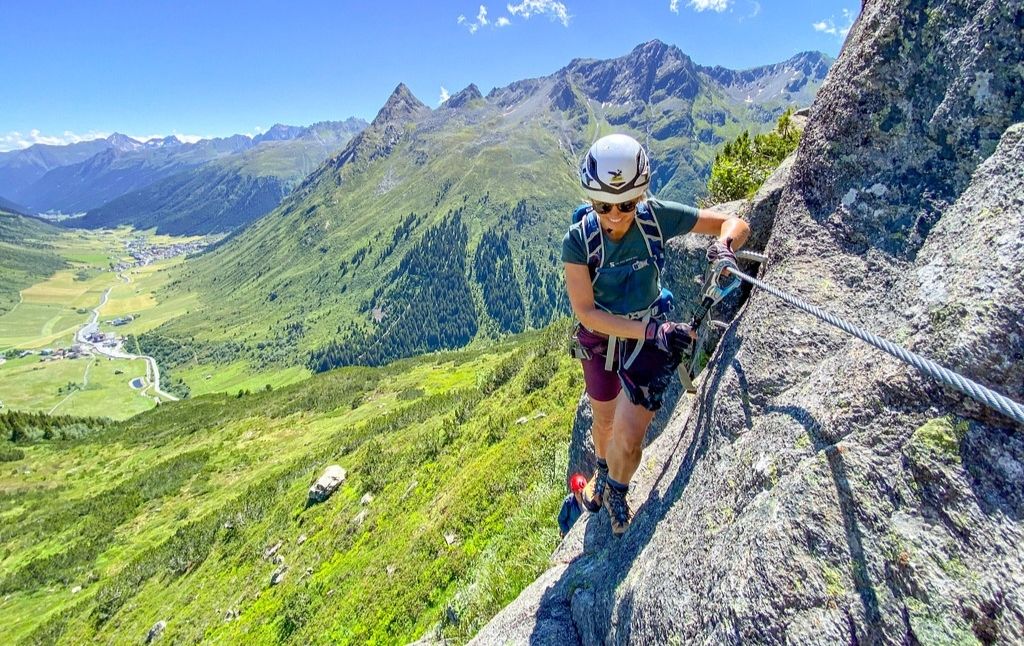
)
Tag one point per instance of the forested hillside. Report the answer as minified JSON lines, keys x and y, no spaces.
{"x":452,"y":218}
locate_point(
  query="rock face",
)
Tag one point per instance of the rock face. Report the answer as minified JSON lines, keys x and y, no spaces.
{"x":816,"y":491}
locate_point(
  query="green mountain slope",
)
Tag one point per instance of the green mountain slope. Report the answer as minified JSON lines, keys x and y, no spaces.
{"x":208,"y":199}
{"x":26,"y":255}
{"x":455,"y":473}
{"x":377,"y":255}
{"x":20,"y":168}
{"x":231,"y":191}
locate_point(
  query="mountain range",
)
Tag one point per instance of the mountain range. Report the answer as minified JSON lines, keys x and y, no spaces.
{"x":120,"y":180}
{"x":230,"y":190}
{"x":435,"y":226}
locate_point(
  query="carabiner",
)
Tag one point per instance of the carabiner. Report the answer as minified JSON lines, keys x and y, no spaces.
{"x":714,"y":288}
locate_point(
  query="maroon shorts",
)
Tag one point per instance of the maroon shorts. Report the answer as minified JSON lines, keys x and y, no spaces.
{"x":603,"y":385}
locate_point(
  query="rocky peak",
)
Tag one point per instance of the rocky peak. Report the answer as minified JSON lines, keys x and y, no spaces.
{"x":400,"y":107}
{"x":123,"y":142}
{"x":384,"y":132}
{"x":157,"y":142}
{"x":464,"y":96}
{"x":791,"y":81}
{"x":279,"y":132}
{"x":811,"y":63}
{"x":814,"y":65}
{"x":652,"y":71}
{"x":654,"y":53}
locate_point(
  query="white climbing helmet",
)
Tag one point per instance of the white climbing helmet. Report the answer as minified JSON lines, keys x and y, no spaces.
{"x":616,"y":169}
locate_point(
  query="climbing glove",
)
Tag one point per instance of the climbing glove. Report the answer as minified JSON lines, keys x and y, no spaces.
{"x":721,"y":250}
{"x":669,"y":337}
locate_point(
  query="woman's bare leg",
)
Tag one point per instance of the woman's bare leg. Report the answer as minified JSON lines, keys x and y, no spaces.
{"x":627,"y":439}
{"x":604,"y":415}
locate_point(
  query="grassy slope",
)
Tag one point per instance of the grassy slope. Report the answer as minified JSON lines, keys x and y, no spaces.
{"x":101,"y":387}
{"x":26,"y":255}
{"x":193,"y":493}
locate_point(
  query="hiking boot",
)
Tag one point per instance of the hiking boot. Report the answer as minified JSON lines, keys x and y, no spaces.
{"x":618,"y":510}
{"x":593,"y":494}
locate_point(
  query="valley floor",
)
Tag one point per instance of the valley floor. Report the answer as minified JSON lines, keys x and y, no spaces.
{"x":49,"y":313}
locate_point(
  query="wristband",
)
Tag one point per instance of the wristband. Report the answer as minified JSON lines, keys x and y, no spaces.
{"x":651,"y":330}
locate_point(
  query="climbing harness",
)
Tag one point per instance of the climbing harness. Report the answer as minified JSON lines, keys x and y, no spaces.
{"x":715,"y":291}
{"x":653,"y":239}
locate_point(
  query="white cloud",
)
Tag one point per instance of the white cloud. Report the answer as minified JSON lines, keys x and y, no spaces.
{"x":481,"y":20}
{"x":502,"y":22}
{"x":713,"y":5}
{"x":444,"y":95}
{"x":15,"y":140}
{"x":673,"y":6}
{"x":828,"y":25}
{"x":528,"y":8}
{"x":755,"y":8}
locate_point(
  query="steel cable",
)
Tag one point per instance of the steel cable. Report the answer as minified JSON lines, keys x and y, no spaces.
{"x":972,"y":389}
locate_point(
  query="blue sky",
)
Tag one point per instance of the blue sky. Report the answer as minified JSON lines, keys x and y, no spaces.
{"x":77,"y":70}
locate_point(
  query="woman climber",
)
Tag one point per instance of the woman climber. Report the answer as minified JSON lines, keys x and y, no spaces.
{"x":614,"y":255}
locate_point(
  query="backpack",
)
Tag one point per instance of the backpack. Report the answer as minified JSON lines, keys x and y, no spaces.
{"x":651,"y":231}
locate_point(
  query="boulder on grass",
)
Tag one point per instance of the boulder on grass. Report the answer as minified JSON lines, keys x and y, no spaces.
{"x":326,"y":485}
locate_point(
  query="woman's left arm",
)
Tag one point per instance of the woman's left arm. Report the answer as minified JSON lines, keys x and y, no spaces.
{"x":724,"y":226}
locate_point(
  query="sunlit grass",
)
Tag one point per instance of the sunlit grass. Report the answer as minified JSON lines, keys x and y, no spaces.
{"x":379,"y":571}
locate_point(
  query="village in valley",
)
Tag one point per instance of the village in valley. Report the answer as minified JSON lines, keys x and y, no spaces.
{"x":145,"y":252}
{"x":90,"y":339}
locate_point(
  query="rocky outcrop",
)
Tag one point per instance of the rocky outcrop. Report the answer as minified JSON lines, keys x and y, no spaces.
{"x":332,"y":478}
{"x":155,"y":632}
{"x":385,"y":131}
{"x":464,"y":97}
{"x":816,"y":490}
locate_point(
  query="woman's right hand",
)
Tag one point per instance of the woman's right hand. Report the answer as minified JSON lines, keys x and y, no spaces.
{"x":670,"y":337}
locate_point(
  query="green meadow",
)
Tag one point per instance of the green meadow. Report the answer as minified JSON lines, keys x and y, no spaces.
{"x":48,"y":312}
{"x":456,"y":465}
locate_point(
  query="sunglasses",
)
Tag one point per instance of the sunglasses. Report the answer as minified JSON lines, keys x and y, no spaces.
{"x":605,"y":208}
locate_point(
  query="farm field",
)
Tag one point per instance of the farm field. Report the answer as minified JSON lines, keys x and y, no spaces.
{"x":86,"y":387}
{"x":48,"y":313}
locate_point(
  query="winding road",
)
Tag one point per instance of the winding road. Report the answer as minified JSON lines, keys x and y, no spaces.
{"x":152,"y":369}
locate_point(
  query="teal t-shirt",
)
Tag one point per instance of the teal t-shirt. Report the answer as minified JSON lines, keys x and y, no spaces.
{"x":619,"y":288}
